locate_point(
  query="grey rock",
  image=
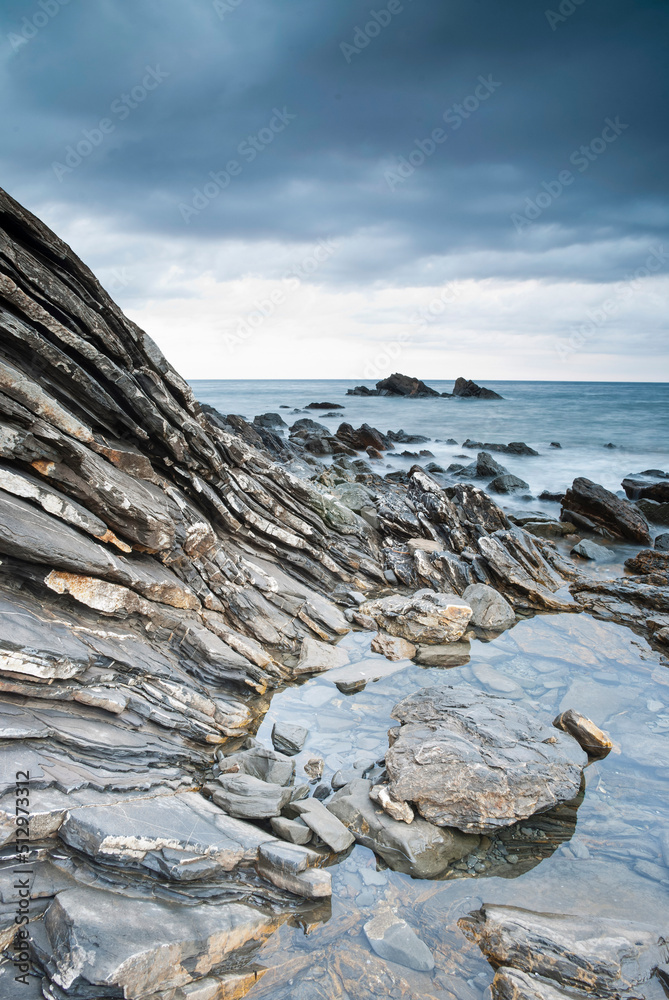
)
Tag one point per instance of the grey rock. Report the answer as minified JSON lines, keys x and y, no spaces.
{"x":662,"y":542}
{"x":316,"y":657}
{"x":587,"y":549}
{"x":420,"y":849}
{"x":426,"y":617}
{"x":269,"y":420}
{"x":478,"y":762}
{"x":324,"y":824}
{"x":393,"y":939}
{"x":291,"y":867}
{"x":288,"y":739}
{"x":259,"y":762}
{"x":549,"y":528}
{"x":489,"y":609}
{"x":140,"y":946}
{"x":508,"y":484}
{"x":295,"y":831}
{"x":246,"y":797}
{"x":606,"y":510}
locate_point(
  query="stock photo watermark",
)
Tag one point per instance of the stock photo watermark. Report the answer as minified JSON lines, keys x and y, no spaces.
{"x":599,"y":316}
{"x":581,"y":158}
{"x":264,"y":308}
{"x":563,"y":13}
{"x":366,"y":33}
{"x":122,"y":107}
{"x":223,"y":7}
{"x":454,"y":117}
{"x":249,"y":148}
{"x":420,"y":320}
{"x":32,"y":24}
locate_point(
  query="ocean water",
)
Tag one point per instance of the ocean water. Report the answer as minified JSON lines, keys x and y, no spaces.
{"x":583,"y":417}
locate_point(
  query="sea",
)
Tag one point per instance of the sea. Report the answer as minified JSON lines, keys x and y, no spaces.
{"x":603,"y":854}
{"x":584,"y":418}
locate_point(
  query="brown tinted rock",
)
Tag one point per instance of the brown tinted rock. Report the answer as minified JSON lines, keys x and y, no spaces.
{"x":393,"y":647}
{"x":478,"y":762}
{"x":426,"y":617}
{"x":595,"y":742}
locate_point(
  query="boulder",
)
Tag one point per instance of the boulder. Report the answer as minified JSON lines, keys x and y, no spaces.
{"x":661,"y":543}
{"x":419,"y":849}
{"x":426,"y":617}
{"x":288,"y":739}
{"x":606,"y":510}
{"x":292,"y":867}
{"x":656,"y":513}
{"x":393,"y":647}
{"x":595,"y":742}
{"x":651,"y":485}
{"x":587,"y":549}
{"x":489,"y":609}
{"x":467,"y":389}
{"x":486,"y":467}
{"x":362,"y":438}
{"x":392,"y":939}
{"x":478,"y":762}
{"x":324,"y":406}
{"x":269,"y":420}
{"x":508,"y":484}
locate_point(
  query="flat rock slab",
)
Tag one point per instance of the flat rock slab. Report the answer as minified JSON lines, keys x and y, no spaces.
{"x":479,"y":762}
{"x":246,"y":797}
{"x":393,"y":939}
{"x":426,"y":617}
{"x":134,"y":830}
{"x":324,"y":824}
{"x":317,"y":656}
{"x":95,"y":938}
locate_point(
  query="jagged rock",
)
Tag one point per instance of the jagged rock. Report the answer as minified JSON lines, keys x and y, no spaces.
{"x":420,"y":849}
{"x":246,"y":797}
{"x":401,"y":437}
{"x":317,"y":656}
{"x":470,"y":390}
{"x":595,"y":742}
{"x":425,"y":617}
{"x":393,"y":939}
{"x":362,"y":438}
{"x":591,"y":955}
{"x":651,"y":485}
{"x":508,"y":484}
{"x":606,"y":510}
{"x":489,"y":609}
{"x":649,"y":562}
{"x":401,"y":811}
{"x":324,"y":824}
{"x":485,"y":467}
{"x":269,"y":420}
{"x":404,"y":385}
{"x":139,"y":946}
{"x":392,"y":647}
{"x":478,"y":762}
{"x":288,"y":739}
{"x":656,"y":513}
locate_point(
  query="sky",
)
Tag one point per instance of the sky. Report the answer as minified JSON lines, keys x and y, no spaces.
{"x":339,"y":189}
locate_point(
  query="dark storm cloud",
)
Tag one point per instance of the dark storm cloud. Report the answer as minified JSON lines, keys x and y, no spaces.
{"x":327,"y":119}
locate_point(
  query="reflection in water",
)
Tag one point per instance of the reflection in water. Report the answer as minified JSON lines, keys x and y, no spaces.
{"x":599,"y":854}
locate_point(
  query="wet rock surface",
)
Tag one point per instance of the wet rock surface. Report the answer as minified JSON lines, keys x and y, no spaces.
{"x":607,"y":511}
{"x":478,"y":762}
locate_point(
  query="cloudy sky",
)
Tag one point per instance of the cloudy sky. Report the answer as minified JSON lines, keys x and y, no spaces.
{"x":333,"y":188}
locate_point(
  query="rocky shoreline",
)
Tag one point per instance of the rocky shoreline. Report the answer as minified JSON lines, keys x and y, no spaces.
{"x":164,"y":569}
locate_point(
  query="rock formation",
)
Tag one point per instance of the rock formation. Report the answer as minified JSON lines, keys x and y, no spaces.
{"x":467,"y":389}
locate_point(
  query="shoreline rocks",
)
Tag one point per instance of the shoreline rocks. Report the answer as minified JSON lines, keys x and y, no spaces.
{"x":604,"y":511}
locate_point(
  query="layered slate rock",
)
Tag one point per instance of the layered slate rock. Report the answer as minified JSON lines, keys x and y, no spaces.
{"x":605,"y":511}
{"x":426,"y":617}
{"x":542,"y":954}
{"x":100,"y":939}
{"x":478,"y":762}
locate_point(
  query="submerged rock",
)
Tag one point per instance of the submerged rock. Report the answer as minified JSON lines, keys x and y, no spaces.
{"x":392,"y":647}
{"x":393,"y":939}
{"x":477,"y":761}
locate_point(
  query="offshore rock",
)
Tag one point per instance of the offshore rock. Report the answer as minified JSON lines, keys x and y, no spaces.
{"x":467,"y":389}
{"x":477,"y":761}
{"x":605,"y":510}
{"x":425,"y":618}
